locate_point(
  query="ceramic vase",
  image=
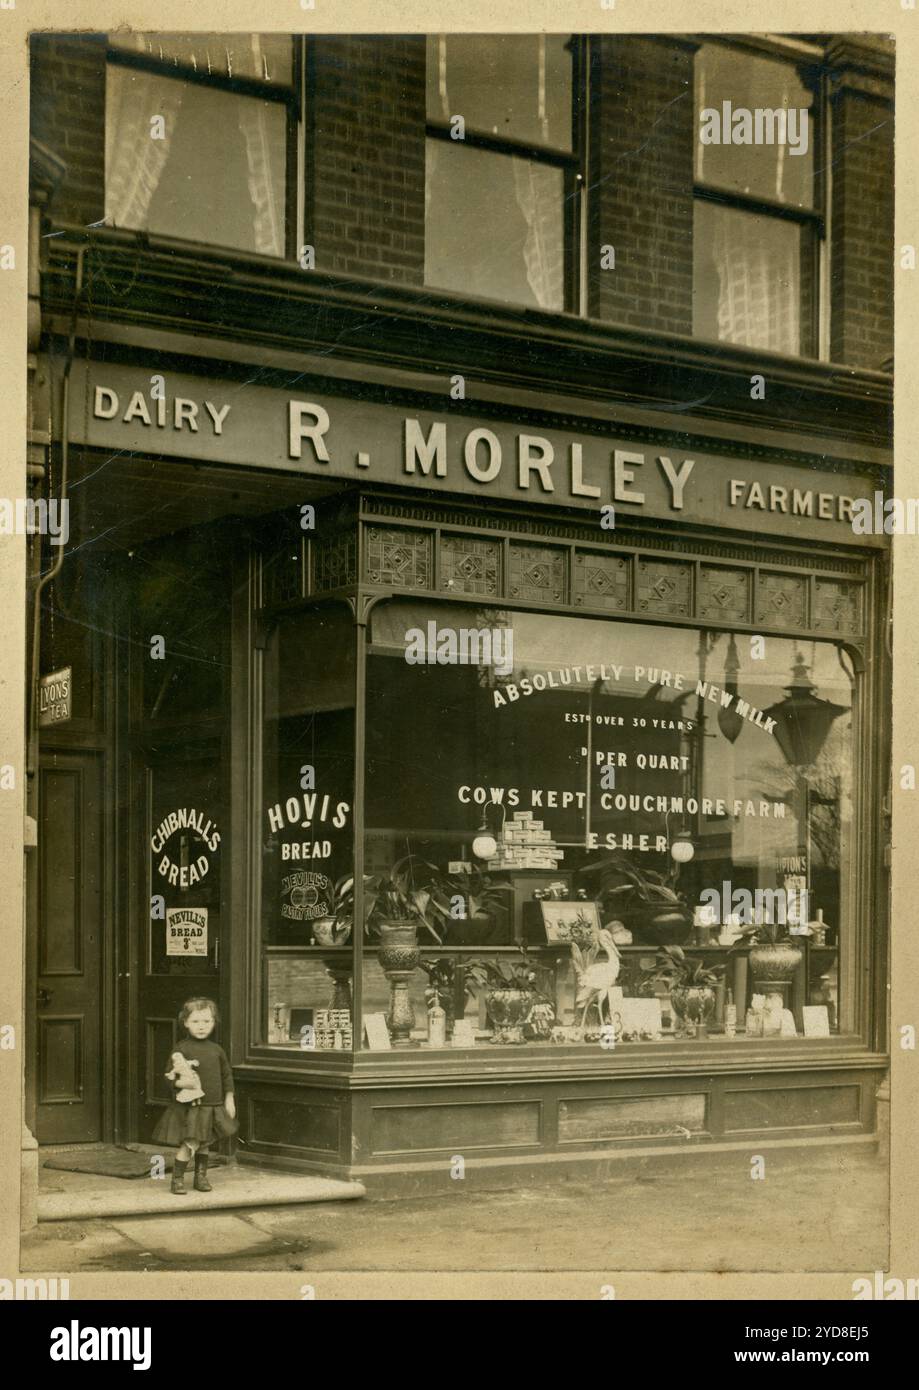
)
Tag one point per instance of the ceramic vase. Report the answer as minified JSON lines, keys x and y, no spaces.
{"x":693,"y":1003}
{"x":508,"y":1009}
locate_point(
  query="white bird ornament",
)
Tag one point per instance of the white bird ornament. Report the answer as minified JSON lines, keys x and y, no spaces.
{"x":596,"y":977}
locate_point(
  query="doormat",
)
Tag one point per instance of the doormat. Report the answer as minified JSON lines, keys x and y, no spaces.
{"x":114,"y":1161}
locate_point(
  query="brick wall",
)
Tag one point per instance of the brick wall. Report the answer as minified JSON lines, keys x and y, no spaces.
{"x":366,"y":168}
{"x":862,"y":227}
{"x":68,"y":116}
{"x":365,"y":195}
{"x":640,"y":182}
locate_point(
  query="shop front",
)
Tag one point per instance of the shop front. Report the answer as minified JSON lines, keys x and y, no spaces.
{"x":509,"y":771}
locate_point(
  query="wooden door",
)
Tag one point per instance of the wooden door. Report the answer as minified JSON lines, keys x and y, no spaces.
{"x":185,"y":834}
{"x":70,"y":949}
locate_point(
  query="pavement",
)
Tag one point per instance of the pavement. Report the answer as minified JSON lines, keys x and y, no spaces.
{"x":80,"y":1197}
{"x":811,"y":1212}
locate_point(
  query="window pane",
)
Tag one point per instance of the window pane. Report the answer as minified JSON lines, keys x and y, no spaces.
{"x":306,"y":825}
{"x":191,"y":680}
{"x":746,"y":278}
{"x":495,"y":776}
{"x":515,"y":85}
{"x":267,"y":57}
{"x":217,"y":176}
{"x":494,"y":226}
{"x":753,"y":84}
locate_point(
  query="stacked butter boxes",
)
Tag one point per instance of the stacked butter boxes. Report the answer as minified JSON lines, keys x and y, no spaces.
{"x":524,"y":844}
{"x":333,"y":1028}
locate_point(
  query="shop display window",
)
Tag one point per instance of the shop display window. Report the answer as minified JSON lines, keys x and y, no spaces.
{"x":306,"y":829}
{"x":644,"y":828}
{"x":575,"y":831}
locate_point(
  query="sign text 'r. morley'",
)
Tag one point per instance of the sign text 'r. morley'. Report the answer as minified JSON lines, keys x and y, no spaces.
{"x":599,"y":469}
{"x":482,"y":457}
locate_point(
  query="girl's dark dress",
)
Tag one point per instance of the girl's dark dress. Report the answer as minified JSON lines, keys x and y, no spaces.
{"x":204,"y":1120}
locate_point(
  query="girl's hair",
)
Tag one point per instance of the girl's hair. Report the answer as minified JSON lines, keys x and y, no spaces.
{"x":193,"y":1005}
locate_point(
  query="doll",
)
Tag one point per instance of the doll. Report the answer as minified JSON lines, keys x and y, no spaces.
{"x":185,"y":1076}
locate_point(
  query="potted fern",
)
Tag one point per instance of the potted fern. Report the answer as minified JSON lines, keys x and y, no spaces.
{"x":511,"y":991}
{"x":689,"y":982}
{"x":412,"y":896}
{"x":640,"y":898}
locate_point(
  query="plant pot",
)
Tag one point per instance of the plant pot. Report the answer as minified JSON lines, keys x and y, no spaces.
{"x":657,"y":926}
{"x":693,"y":1003}
{"x":477,"y":930}
{"x":507,"y":1009}
{"x":328,"y":931}
{"x":398,"y":946}
{"x":399,"y":956}
{"x":776,"y":961}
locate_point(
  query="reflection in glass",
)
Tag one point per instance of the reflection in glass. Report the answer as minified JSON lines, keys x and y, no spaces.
{"x":514,"y":85}
{"x":752,"y":83}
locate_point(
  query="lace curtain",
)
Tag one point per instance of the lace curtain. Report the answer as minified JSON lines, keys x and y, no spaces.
{"x":759,"y":289}
{"x":135,"y":161}
{"x":536,"y":190}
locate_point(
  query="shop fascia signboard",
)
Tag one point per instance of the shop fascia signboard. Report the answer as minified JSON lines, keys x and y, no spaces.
{"x":117,"y":407}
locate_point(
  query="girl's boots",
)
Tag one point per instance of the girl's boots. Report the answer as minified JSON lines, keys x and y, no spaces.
{"x":178,"y":1175}
{"x":201,"y":1182}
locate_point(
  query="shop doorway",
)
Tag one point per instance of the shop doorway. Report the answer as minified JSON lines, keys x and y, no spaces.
{"x":185,"y":832}
{"x":69,"y":1072}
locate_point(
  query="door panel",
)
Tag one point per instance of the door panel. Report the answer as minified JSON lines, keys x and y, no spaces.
{"x":70,"y":931}
{"x":184,"y":833}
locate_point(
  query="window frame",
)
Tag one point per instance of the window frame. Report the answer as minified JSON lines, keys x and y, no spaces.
{"x":813,"y":221}
{"x":289,"y":95}
{"x":571,"y":162}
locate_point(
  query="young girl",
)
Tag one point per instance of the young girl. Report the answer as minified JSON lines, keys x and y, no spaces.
{"x":196,"y":1124}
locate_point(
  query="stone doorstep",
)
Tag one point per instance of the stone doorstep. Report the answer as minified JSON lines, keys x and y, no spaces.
{"x":232,"y":1188}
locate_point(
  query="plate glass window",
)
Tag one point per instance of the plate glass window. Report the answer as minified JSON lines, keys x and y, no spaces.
{"x":637,"y":793}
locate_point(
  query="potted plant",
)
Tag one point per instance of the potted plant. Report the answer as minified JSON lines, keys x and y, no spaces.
{"x":690,"y":983}
{"x":640,"y":898}
{"x":774,"y":956}
{"x":486,"y":902}
{"x":511,"y":991}
{"x":411,"y":896}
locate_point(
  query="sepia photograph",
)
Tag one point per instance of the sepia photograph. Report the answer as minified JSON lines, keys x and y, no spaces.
{"x":459,"y":675}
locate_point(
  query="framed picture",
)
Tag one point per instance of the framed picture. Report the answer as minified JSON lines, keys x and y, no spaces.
{"x":565,"y":922}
